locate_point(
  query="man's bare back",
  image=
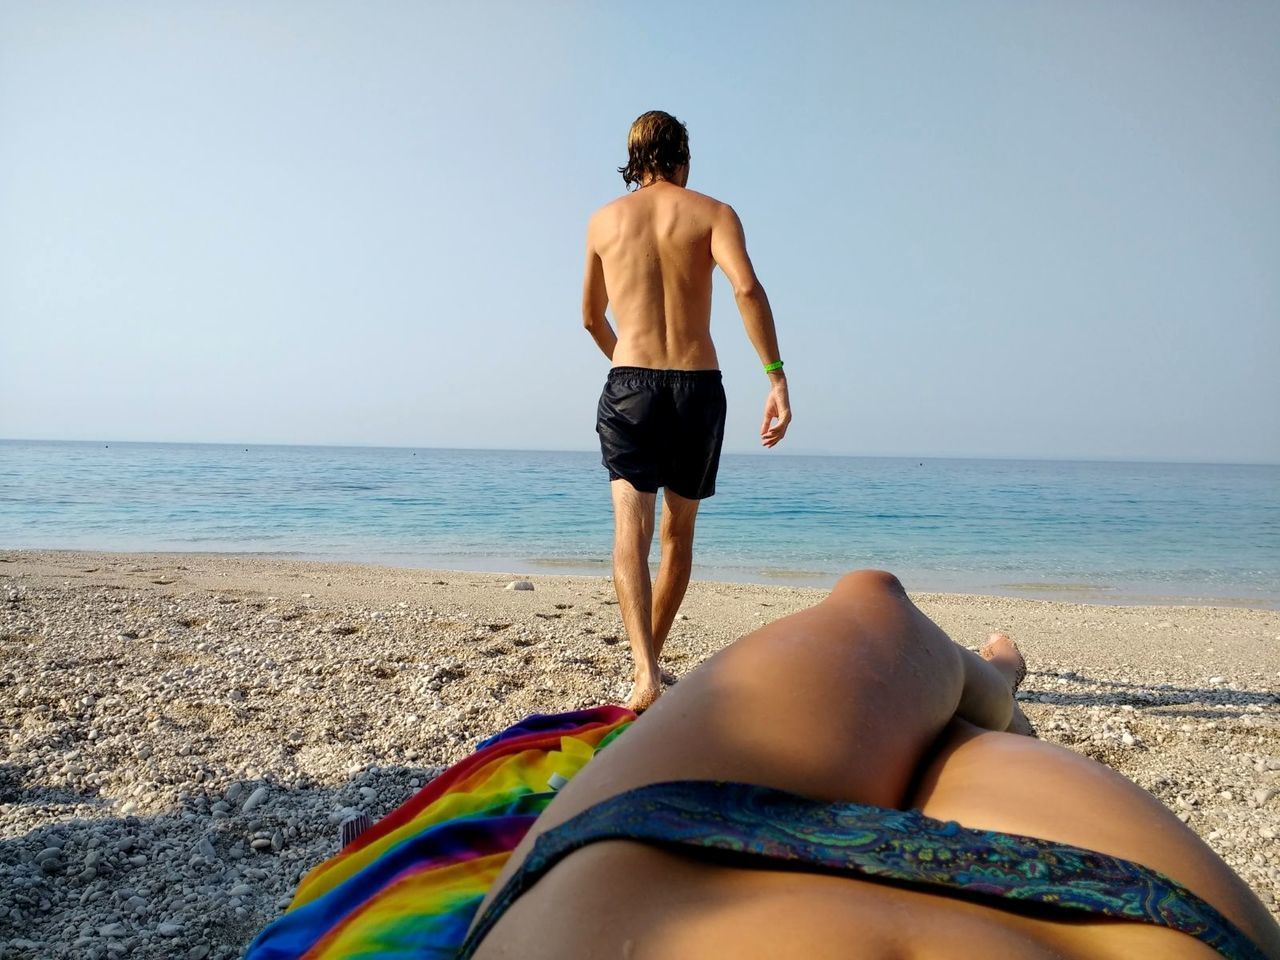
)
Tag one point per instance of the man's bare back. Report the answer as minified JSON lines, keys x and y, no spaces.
{"x":653,"y":248}
{"x":650,"y":255}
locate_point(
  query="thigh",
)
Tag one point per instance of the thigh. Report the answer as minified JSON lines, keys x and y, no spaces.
{"x":837,"y":702}
{"x":1018,"y":785}
{"x":632,"y":510}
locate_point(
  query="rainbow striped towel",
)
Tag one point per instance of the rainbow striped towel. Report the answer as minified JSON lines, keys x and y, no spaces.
{"x":410,"y":885}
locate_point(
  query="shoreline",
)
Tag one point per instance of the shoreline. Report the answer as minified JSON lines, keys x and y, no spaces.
{"x":146,"y":698}
{"x":925,"y":582}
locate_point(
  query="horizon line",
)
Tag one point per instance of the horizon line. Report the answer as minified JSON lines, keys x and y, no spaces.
{"x":753,"y":453}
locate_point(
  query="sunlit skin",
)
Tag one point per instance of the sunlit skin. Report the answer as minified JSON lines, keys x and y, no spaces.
{"x":861,"y":698}
{"x":650,"y":256}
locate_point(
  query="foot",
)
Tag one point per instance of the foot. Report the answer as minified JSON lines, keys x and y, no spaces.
{"x":1003,"y":654}
{"x":644,"y":692}
{"x":1020,"y":724}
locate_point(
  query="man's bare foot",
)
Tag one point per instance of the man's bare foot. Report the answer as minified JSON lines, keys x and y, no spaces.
{"x":643,"y":696}
{"x":1003,"y":654}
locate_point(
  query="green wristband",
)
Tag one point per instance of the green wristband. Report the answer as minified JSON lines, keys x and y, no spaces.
{"x":770,"y":367}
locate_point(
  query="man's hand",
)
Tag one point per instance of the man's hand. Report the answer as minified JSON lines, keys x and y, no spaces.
{"x":777,"y":414}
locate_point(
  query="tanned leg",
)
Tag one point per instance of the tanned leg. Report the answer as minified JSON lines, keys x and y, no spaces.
{"x":632,"y":537}
{"x":679,"y":515}
{"x":994,"y":781}
{"x":857,"y":699}
{"x":1003,"y":654}
{"x":838,"y":702}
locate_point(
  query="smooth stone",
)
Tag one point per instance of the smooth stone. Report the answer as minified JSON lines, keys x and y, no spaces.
{"x":169,"y":929}
{"x":255,"y":800}
{"x":519,"y":585}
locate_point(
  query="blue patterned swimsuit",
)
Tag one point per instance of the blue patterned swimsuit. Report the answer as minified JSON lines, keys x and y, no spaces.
{"x":746,"y":825}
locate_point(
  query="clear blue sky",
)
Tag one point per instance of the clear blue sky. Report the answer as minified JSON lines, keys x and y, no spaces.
{"x":987,"y":228}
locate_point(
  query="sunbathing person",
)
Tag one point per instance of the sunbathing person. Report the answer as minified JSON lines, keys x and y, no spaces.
{"x":798,"y":796}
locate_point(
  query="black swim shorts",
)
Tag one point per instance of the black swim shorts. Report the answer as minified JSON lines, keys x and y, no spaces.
{"x":662,"y":428}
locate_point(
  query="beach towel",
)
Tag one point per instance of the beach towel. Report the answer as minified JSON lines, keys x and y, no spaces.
{"x":409,"y":886}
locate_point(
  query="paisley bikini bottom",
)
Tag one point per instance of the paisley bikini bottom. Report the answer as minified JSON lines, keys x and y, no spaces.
{"x":741,"y":824}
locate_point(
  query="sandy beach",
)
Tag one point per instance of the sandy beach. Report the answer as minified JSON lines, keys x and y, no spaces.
{"x":182,"y":733}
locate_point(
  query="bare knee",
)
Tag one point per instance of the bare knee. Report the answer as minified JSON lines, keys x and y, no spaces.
{"x":632,"y":537}
{"x":870,"y":583}
{"x":632,"y":528}
{"x":677,"y":541}
{"x":876,"y":606}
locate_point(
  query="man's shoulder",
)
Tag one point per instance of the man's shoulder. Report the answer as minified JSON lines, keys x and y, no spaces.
{"x":705,"y":198}
{"x":710,"y":211}
{"x":607,"y":212}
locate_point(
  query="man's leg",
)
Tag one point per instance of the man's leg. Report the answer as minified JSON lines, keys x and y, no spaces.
{"x":678,"y":517}
{"x":632,"y":537}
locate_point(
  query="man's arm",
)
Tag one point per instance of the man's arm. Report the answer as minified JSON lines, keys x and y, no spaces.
{"x":729,"y":250}
{"x":594,"y":300}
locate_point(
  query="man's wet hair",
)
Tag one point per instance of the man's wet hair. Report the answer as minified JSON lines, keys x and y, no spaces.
{"x":657,"y":146}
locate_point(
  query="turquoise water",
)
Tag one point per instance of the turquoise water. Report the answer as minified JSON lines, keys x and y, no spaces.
{"x":1119,"y":531}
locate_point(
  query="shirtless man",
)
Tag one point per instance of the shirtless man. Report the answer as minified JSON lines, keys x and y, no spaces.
{"x":661,"y":415}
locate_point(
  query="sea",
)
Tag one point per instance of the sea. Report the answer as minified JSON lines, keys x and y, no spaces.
{"x":1093,"y":531}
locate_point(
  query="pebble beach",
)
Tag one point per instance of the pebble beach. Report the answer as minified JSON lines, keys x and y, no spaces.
{"x":181,"y":734}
